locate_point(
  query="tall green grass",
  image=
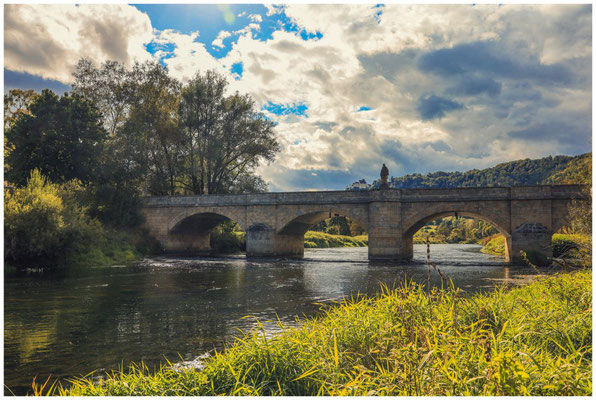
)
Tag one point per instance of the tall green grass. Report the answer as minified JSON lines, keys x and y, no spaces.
{"x":533,"y":340}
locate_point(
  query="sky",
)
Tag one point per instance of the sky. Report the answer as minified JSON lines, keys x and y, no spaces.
{"x":421,"y":88}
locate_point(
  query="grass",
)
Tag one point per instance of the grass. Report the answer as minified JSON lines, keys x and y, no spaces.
{"x":115,"y":247}
{"x":564,"y":245}
{"x":313,"y":239}
{"x":494,"y":245}
{"x":533,"y":340}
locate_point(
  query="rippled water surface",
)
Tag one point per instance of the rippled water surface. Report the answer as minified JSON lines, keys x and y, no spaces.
{"x":80,"y":320}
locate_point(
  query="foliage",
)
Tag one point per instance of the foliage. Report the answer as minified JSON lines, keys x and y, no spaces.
{"x":171,"y":139}
{"x":339,"y":225}
{"x":494,"y":244}
{"x":455,"y":230}
{"x":577,"y":171}
{"x":46,"y":226}
{"x":534,"y":340}
{"x":514,"y":173}
{"x":574,"y":247}
{"x":16,"y":104}
{"x":60,"y":136}
{"x":109,"y":87}
{"x":227,"y":238}
{"x":225,"y":138}
{"x":33,"y":222}
{"x":314,"y":239}
{"x":151,"y":134}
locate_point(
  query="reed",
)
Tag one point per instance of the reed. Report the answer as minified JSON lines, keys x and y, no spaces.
{"x":531,"y":340}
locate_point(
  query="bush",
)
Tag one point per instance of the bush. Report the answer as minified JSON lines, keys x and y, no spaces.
{"x":33,"y":223}
{"x":227,"y":238}
{"x":45,"y":226}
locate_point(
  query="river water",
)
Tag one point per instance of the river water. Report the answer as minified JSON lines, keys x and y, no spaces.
{"x":76,"y":321}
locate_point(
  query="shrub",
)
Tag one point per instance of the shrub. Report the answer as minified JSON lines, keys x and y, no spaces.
{"x":33,"y":222}
{"x":226,"y":238}
{"x":45,"y":226}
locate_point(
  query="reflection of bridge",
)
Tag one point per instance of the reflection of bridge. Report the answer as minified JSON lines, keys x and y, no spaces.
{"x":275,"y":223}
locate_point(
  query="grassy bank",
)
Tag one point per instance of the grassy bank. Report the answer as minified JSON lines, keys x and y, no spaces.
{"x":533,"y":340}
{"x":494,"y":245}
{"x":314,"y":239}
{"x":564,"y":245}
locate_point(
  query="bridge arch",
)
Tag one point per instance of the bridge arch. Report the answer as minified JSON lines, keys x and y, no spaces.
{"x":203,"y":219}
{"x":414,"y":227}
{"x":189,"y":232}
{"x":299,"y":224}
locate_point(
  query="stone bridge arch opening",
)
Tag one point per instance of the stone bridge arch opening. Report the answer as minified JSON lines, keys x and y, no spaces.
{"x":303,"y":223}
{"x":408,"y":237}
{"x":288,"y":239}
{"x":191,"y":233}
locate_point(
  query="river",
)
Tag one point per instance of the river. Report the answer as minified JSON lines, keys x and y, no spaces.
{"x":78,"y":320}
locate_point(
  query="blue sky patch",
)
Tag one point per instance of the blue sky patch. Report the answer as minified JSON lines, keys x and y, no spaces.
{"x":238,"y":69}
{"x":286,"y":109}
{"x":364,"y":108}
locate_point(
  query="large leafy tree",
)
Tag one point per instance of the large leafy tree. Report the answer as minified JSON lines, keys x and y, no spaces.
{"x":169,"y":139}
{"x":225,"y":138}
{"x":109,"y":87}
{"x":61,"y":136}
{"x":151,"y":134}
{"x":16,"y":104}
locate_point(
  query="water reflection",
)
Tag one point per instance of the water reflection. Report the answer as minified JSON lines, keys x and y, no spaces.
{"x":80,"y":320}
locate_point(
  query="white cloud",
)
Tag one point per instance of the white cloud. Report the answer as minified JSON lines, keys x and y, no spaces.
{"x":48,"y":40}
{"x":218,"y":42}
{"x":188,"y":56}
{"x":255,"y":18}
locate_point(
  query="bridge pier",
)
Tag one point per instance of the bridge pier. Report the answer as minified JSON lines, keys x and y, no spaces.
{"x":385,"y":241}
{"x":263,"y":241}
{"x":531,"y":238}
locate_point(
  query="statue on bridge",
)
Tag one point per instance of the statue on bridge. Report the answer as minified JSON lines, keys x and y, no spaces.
{"x":384,"y":176}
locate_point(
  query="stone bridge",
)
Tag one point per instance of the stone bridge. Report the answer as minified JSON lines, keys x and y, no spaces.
{"x":275,"y":223}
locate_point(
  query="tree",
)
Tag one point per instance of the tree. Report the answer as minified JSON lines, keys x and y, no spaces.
{"x":60,"y":136}
{"x":151,"y":133}
{"x":16,"y":104}
{"x":108,"y":87}
{"x":225,"y":138}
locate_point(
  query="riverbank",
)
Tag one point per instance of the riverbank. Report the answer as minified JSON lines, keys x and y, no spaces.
{"x":563,"y":244}
{"x":313,"y":239}
{"x":533,"y":340}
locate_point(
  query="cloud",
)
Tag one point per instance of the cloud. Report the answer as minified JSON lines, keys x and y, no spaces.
{"x":48,"y":40}
{"x":188,"y":56}
{"x":218,"y":42}
{"x":486,"y":58}
{"x":431,"y":107}
{"x":470,"y":86}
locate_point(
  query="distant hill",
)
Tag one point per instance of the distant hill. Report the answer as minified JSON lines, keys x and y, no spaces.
{"x":547,"y":170}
